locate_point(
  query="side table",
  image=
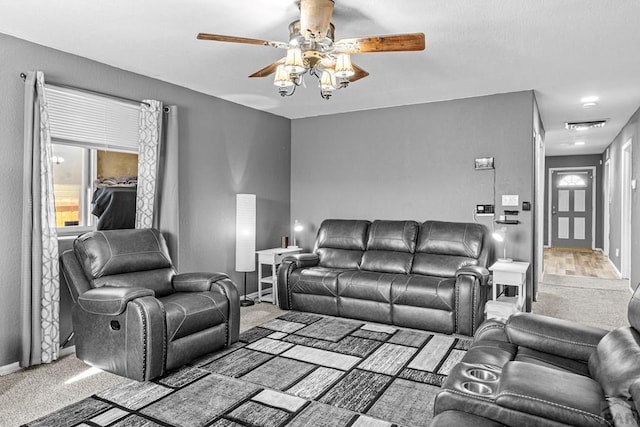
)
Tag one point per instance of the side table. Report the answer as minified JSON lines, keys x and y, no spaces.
{"x":507,"y":274}
{"x":272,"y":257}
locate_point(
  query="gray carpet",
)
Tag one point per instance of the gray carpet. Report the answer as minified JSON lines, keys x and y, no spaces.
{"x":298,"y":369}
{"x":596,"y":302}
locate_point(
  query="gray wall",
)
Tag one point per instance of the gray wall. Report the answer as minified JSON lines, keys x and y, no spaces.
{"x":415,"y":162}
{"x":225,"y":149}
{"x":576,"y":161}
{"x":614,"y":152}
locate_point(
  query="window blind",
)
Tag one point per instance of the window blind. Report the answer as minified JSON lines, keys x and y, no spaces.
{"x":92,"y":121}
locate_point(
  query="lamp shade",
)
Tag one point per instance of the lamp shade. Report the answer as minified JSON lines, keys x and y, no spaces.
{"x":245,"y":232}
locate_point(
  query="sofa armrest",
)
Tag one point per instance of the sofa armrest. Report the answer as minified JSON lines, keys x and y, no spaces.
{"x":110,"y":301}
{"x":552,"y":394}
{"x":554,"y":336}
{"x":196,"y":282}
{"x":287,"y":266}
{"x":477,"y":271}
{"x":471,"y":295}
{"x":303,"y":260}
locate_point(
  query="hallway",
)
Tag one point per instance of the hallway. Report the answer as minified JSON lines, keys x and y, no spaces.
{"x":577,"y":262}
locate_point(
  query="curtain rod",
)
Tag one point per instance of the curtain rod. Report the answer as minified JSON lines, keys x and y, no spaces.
{"x":23,"y":76}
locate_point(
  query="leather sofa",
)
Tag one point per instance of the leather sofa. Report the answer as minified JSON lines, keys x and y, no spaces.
{"x":532,"y":370}
{"x":133,"y":315}
{"x":430,"y":276}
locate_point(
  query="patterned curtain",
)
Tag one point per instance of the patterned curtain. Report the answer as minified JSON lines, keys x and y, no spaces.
{"x":40,"y":284}
{"x":148,"y":162}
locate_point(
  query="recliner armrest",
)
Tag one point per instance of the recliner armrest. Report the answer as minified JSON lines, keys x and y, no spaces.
{"x":554,"y":336}
{"x":196,"y":282}
{"x":481,"y":273}
{"x":109,"y":300}
{"x":549,"y":393}
{"x":303,"y":260}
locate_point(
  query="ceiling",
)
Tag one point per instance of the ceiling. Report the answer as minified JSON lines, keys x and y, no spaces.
{"x":562,"y":49}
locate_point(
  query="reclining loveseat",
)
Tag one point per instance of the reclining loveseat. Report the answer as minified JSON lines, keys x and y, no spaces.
{"x":533,"y":370}
{"x":430,"y":276}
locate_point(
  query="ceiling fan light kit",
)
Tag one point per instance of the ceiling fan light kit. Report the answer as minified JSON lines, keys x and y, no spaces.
{"x":311,"y":50}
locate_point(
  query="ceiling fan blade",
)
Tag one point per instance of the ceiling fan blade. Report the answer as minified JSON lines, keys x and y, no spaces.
{"x":359,"y":73}
{"x":393,"y":43}
{"x":315,"y":17}
{"x":269,"y":69}
{"x":244,"y":40}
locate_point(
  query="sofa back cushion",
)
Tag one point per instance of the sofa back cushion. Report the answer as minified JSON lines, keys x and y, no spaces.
{"x":126,"y":258}
{"x":341,"y":243}
{"x":390,"y":246}
{"x":444,"y":247}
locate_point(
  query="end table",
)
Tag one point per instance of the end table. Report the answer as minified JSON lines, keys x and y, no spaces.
{"x":507,"y":274}
{"x":272,"y":257}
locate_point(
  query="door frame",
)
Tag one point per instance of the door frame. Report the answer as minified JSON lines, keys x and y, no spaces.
{"x":626,"y":175}
{"x":593,"y":200}
{"x":606,"y":203}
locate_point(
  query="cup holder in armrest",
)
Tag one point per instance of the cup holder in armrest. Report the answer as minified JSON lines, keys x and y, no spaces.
{"x":477,"y":388}
{"x":482,"y":374}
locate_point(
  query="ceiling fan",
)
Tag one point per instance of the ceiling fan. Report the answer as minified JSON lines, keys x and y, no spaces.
{"x":313,"y":50}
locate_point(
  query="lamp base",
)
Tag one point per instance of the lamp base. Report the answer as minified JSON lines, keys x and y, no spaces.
{"x":246,"y":302}
{"x":505,"y":259}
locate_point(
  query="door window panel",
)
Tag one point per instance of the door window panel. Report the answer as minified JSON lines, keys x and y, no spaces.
{"x":579,"y":226}
{"x":563,"y":200}
{"x":563,"y":228}
{"x":579,"y":200}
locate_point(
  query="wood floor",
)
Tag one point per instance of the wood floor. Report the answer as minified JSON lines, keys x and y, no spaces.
{"x":577,"y":262}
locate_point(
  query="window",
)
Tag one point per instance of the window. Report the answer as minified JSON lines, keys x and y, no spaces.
{"x":93,"y":137}
{"x":572,"y":181}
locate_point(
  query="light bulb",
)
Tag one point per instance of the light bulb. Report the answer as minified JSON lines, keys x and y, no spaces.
{"x":328,"y":81}
{"x":282,"y":78}
{"x":293,"y":63}
{"x":344,"y":68}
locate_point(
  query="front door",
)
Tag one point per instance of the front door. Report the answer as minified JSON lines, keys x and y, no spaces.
{"x":571,"y":208}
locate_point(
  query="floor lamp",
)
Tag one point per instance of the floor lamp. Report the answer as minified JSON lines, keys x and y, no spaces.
{"x":245,"y":238}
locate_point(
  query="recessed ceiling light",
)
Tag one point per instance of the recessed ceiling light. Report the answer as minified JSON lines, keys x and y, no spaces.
{"x":578,"y":143}
{"x":585,"y":125}
{"x":589,"y":99}
{"x":589,"y":104}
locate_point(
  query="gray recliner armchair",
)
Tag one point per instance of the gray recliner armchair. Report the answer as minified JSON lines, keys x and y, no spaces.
{"x":134,"y":315}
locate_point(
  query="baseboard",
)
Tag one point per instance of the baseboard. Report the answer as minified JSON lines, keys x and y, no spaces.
{"x":9,"y":369}
{"x":15,"y":367}
{"x":615,"y":269}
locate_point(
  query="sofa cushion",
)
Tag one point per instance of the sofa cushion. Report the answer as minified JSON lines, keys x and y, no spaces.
{"x":451,"y":238}
{"x":423,"y":291}
{"x":339,"y":258}
{"x":439,"y":265}
{"x":159,"y":281}
{"x":366,"y":295}
{"x":188,"y":313}
{"x":387,"y":262}
{"x":398,"y":236}
{"x":340,"y":243}
{"x":367,"y":285}
{"x":390,"y":246}
{"x":103,"y":253}
{"x":315,"y":281}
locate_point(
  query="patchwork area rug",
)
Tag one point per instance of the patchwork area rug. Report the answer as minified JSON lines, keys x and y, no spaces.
{"x":300,"y":369}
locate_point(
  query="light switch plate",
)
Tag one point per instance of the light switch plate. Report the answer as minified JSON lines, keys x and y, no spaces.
{"x":510,"y":200}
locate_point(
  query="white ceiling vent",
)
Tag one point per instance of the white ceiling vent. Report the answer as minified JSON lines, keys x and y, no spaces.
{"x":585,"y":125}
